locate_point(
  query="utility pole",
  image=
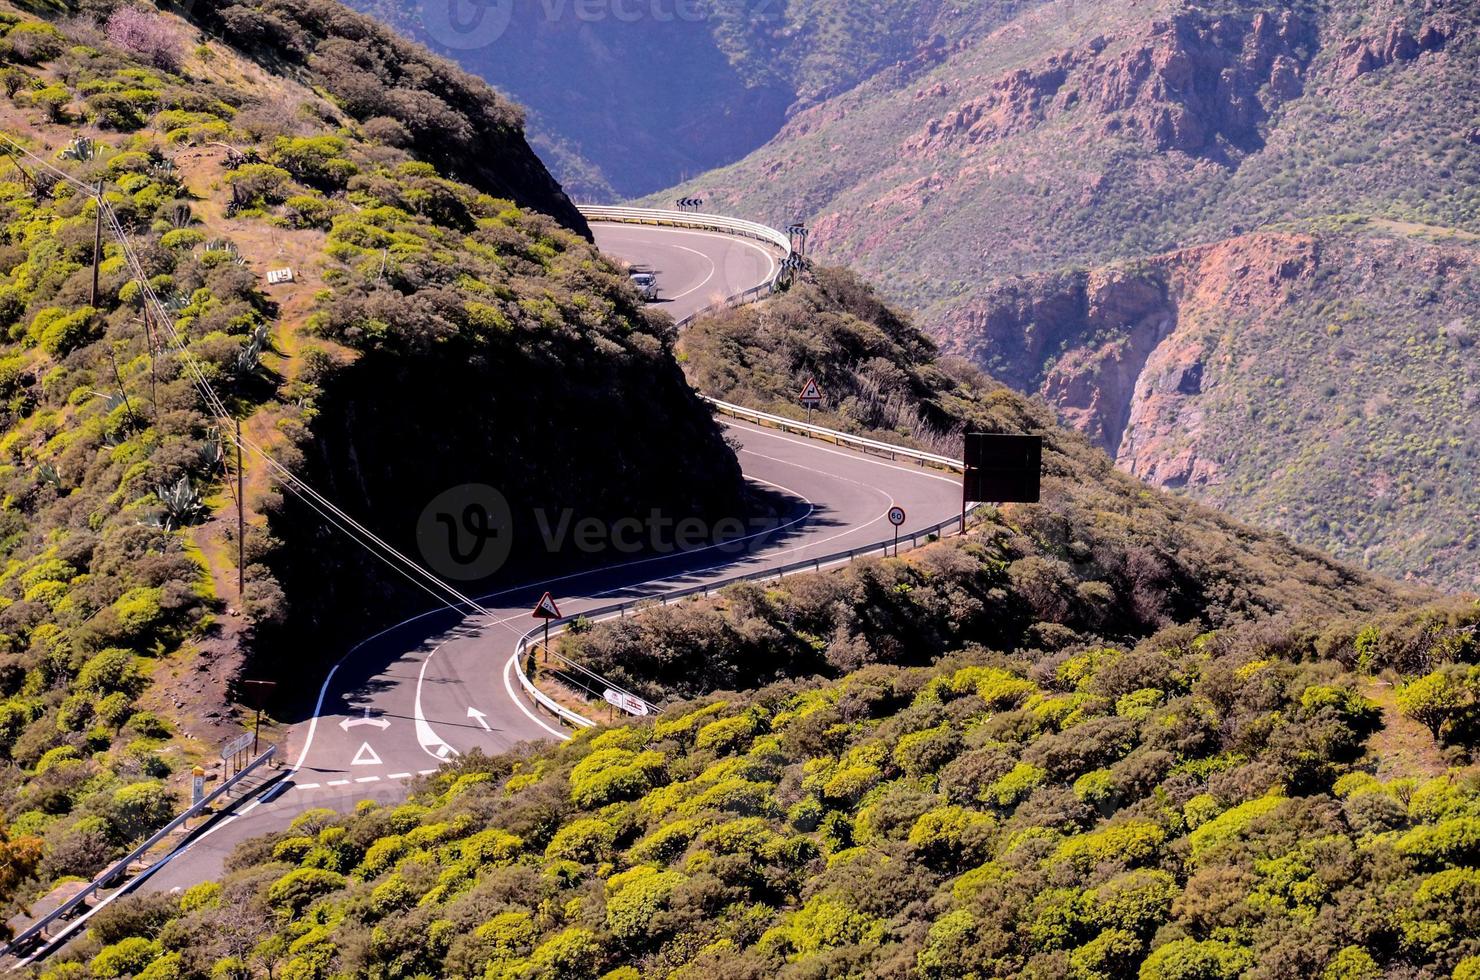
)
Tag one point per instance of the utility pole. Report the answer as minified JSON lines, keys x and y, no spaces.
{"x":118,"y":380}
{"x":241,"y":522}
{"x":153,"y":374}
{"x":97,"y":245}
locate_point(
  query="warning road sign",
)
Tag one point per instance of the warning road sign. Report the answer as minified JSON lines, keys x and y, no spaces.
{"x":547,"y":608}
{"x":811,"y":395}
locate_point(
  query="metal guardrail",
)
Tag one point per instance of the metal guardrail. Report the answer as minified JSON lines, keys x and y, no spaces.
{"x":689,"y":219}
{"x":634,"y":606}
{"x":620,"y":609}
{"x":120,"y":867}
{"x":837,"y":438}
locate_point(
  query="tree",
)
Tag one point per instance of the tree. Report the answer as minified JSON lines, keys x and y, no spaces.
{"x":1442,"y":701}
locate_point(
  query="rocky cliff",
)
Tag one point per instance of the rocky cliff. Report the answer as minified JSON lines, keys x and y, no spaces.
{"x":1139,"y":210}
{"x":1297,"y":376}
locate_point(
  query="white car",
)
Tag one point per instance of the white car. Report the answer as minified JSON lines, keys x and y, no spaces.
{"x":647,"y":285}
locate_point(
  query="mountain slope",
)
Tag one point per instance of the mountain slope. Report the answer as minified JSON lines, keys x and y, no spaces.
{"x":1226,"y":790}
{"x":423,"y":317}
{"x":1134,"y":150}
{"x":629,"y":97}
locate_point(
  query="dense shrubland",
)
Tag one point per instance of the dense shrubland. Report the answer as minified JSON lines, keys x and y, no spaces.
{"x":1195,"y":805}
{"x":117,"y":645}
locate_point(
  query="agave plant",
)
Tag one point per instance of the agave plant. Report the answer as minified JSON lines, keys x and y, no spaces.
{"x":182,"y":502}
{"x":249,"y":358}
{"x":179,"y":215}
{"x":228,"y":246}
{"x":210,"y":453}
{"x":47,"y":473}
{"x":81,"y":149}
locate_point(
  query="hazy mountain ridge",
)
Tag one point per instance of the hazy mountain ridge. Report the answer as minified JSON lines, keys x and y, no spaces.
{"x":629,"y":97}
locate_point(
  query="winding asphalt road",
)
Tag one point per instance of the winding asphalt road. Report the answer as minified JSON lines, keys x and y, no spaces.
{"x":433,"y":688}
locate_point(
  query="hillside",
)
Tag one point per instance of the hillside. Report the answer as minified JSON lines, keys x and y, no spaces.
{"x":1098,"y":196}
{"x":626,"y":98}
{"x":1100,"y":560}
{"x":423,"y":317}
{"x":1196,"y":806}
{"x":1115,"y":734}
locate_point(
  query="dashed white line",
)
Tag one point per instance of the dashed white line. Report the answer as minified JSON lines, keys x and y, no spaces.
{"x":308,"y":785}
{"x":337,"y":782}
{"x":399,"y":775}
{"x":368,"y":779}
{"x":427,"y":772}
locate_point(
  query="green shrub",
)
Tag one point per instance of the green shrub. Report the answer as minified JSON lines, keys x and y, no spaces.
{"x":31,"y":42}
{"x":1188,"y":959}
{"x":125,"y":958}
{"x":138,"y":809}
{"x":59,"y":332}
{"x":296,"y":890}
{"x":258,"y":184}
{"x":110,"y":670}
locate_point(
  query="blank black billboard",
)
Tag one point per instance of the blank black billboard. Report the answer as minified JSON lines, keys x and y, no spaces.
{"x":1003,"y":469}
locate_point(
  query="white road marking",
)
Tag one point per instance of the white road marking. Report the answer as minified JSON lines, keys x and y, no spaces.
{"x":368,"y":779}
{"x":380,"y":723}
{"x":399,"y":775}
{"x":712,"y":270}
{"x":366,"y":756}
{"x":337,"y":782}
{"x":431,"y":743}
{"x":307,"y":785}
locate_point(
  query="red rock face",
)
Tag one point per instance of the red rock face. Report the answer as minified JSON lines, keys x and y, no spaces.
{"x":1182,"y":84}
{"x":1361,"y":55}
{"x":1124,"y":348}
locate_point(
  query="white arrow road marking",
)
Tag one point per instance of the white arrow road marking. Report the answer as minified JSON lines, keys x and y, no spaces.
{"x":366,"y":756}
{"x":480,"y":718}
{"x":431,"y":742}
{"x":380,"y":723}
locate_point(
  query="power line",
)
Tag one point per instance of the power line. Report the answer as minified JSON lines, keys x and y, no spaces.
{"x":326,"y":509}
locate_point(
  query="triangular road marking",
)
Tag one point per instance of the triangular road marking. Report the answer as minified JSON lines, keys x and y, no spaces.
{"x":366,"y":756}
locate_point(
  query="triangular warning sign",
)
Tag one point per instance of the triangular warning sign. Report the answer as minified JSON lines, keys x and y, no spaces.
{"x":810,"y":392}
{"x":366,"y":756}
{"x":547,"y":608}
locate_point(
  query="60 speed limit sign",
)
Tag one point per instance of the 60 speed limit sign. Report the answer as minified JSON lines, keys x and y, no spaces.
{"x":896,"y":516}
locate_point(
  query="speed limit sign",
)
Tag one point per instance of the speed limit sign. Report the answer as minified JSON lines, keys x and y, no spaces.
{"x":896,"y":517}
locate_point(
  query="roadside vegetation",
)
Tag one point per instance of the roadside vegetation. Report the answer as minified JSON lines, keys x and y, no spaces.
{"x":1198,"y":804}
{"x":121,"y":630}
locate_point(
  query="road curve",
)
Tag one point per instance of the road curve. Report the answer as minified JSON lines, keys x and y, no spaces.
{"x":438,"y":686}
{"x":695,"y":268}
